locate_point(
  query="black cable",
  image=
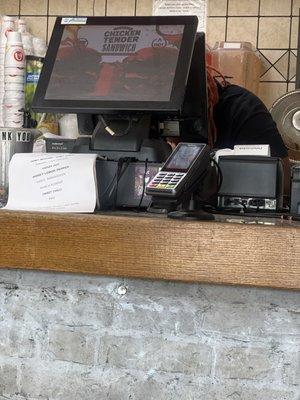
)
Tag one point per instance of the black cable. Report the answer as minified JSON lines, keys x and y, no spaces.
{"x":119,"y":169}
{"x":120,"y":172}
{"x":108,"y":187}
{"x":111,"y":131}
{"x":144,"y":185}
{"x":245,"y":209}
{"x":220,"y":175}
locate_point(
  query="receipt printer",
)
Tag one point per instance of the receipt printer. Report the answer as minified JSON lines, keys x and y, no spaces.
{"x":295,"y":191}
{"x":251,"y":182}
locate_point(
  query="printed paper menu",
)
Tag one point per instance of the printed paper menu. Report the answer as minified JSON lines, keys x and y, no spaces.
{"x":52,"y":182}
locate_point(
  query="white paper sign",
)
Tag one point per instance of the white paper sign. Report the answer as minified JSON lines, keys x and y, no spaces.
{"x":182,"y":7}
{"x":52,"y":182}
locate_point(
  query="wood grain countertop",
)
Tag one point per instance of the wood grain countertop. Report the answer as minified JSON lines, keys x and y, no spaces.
{"x":143,"y":246}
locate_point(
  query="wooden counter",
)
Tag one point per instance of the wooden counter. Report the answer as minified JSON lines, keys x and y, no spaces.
{"x":153,"y":247}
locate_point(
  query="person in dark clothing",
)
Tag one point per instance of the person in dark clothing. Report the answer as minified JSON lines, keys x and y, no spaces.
{"x":237,"y":116}
{"x":241,"y":117}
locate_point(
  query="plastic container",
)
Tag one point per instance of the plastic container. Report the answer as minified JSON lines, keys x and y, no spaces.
{"x":39,"y":47}
{"x":239,"y":63}
{"x":27,"y":43}
{"x":21,"y":25}
{"x":33,"y":71}
{"x":68,"y":126}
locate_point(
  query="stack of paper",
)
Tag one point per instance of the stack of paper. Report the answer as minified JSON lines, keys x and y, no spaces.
{"x":52,"y":182}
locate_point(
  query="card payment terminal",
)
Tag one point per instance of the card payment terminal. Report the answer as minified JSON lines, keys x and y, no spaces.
{"x":183,"y":168}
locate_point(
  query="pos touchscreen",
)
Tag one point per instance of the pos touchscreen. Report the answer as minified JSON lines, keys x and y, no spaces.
{"x":107,"y":65}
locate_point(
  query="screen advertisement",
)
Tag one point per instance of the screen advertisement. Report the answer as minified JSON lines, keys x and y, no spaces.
{"x":116,"y":63}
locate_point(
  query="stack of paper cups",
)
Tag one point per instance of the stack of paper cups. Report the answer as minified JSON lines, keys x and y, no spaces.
{"x":14,"y":71}
{"x":21,"y":25}
{"x":8,"y":25}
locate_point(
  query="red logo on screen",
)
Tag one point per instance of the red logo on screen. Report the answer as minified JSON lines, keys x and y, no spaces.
{"x":18,"y":55}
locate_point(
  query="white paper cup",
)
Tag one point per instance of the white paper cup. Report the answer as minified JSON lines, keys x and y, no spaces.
{"x":8,"y":18}
{"x":14,"y":125}
{"x":11,"y":109}
{"x":14,"y":71}
{"x":14,"y":38}
{"x":12,"y":96}
{"x":16,"y":87}
{"x":14,"y":93}
{"x":13,"y":114}
{"x":16,"y":117}
{"x":16,"y":114}
{"x":14,"y":55}
{"x":22,"y":26}
{"x":14,"y":79}
{"x":8,"y":25}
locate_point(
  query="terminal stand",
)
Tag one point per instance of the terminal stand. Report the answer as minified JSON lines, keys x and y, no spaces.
{"x":128,"y":136}
{"x":189,"y":205}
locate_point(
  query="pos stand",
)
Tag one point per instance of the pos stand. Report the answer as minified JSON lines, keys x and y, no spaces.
{"x":128,"y":136}
{"x":189,"y":205}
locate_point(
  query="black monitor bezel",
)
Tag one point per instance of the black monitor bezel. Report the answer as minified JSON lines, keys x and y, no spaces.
{"x":173,"y":106}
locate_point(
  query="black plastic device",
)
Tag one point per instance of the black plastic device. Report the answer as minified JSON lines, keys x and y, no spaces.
{"x":119,"y":74}
{"x":251,"y":182}
{"x":295,"y":191}
{"x":184,"y":167}
{"x":117,"y":65}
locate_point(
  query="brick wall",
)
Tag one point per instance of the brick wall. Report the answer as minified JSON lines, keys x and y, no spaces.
{"x":69,"y":337}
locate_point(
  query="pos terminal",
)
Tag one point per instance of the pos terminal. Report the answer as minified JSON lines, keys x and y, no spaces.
{"x":187,"y":163}
{"x":180,"y":179}
{"x":126,"y":78}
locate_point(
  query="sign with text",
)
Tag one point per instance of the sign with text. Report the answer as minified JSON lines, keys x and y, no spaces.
{"x":183,"y":7}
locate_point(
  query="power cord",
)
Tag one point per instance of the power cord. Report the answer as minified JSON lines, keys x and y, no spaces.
{"x":111,"y":131}
{"x":120,"y":172}
{"x":220,"y":175}
{"x":144,"y":185}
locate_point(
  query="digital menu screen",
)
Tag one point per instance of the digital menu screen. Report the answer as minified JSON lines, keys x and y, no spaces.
{"x":116,"y":63}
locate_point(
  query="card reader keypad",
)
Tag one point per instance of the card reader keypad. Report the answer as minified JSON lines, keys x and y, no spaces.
{"x":166,"y":180}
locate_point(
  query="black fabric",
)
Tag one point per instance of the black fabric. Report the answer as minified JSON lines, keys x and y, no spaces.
{"x":242,"y":118}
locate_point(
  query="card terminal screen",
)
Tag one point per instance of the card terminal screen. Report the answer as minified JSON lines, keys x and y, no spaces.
{"x":183,"y":157}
